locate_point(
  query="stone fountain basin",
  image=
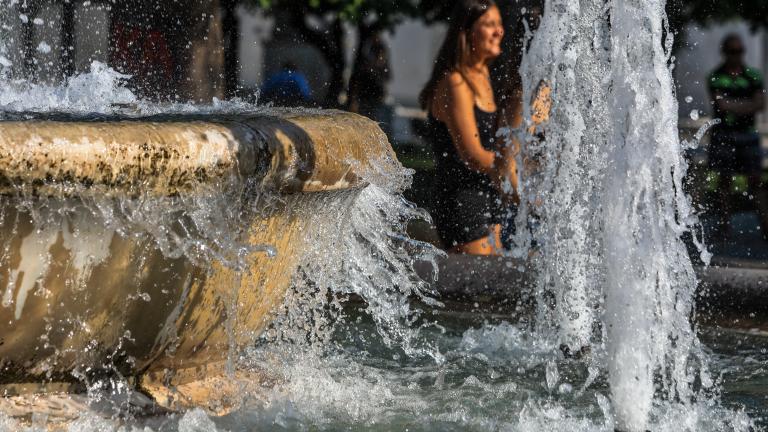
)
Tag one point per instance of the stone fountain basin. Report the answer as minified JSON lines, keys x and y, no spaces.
{"x":136,"y":311}
{"x":730,"y":293}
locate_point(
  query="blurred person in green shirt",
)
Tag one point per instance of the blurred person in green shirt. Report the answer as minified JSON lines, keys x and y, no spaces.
{"x":737,"y":96}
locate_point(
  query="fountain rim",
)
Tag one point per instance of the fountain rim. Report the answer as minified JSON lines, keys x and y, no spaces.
{"x":59,"y":154}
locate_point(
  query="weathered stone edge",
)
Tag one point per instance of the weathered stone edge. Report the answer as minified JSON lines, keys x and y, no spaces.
{"x":288,"y":152}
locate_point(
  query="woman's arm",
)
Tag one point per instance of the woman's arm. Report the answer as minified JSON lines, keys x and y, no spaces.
{"x":461,"y":122}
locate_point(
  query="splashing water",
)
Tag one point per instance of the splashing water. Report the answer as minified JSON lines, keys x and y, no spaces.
{"x":355,"y":244}
{"x":492,"y":380}
{"x":568,"y":54}
{"x":97,"y":91}
{"x":101,"y":90}
{"x":609,"y":197}
{"x":205,"y":226}
{"x":607,"y":238}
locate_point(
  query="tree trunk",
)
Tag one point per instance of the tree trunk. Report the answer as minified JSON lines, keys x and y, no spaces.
{"x":68,"y":39}
{"x":364,"y":33}
{"x":764,"y":41}
{"x":330,"y":43}
{"x":337,"y":63}
{"x":29,"y":9}
{"x":231,"y":24}
{"x":205,"y":71}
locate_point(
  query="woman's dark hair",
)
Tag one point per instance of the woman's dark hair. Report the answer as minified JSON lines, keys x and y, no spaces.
{"x":455,"y":52}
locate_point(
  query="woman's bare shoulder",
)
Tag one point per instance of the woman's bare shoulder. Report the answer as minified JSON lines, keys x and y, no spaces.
{"x":455,"y":86}
{"x":452,"y":81}
{"x":453,"y":91}
{"x":456,"y":80}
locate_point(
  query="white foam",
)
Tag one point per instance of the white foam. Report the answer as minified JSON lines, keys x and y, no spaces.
{"x":97,"y":91}
{"x":44,"y":48}
{"x":196,"y":420}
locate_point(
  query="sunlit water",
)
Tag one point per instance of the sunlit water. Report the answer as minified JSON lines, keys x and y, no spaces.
{"x":496,"y":376}
{"x":395,"y":366}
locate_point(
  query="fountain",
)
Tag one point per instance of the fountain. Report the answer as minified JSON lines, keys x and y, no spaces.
{"x":90,"y":281}
{"x":247,"y":268}
{"x":613,"y":208}
{"x":612,"y":267}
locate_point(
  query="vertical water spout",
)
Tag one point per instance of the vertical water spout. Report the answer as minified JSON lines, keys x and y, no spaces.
{"x":608,"y":193}
{"x":570,"y":55}
{"x":650,"y":284}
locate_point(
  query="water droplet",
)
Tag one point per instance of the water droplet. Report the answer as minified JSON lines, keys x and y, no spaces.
{"x":688,"y":99}
{"x":694,"y":115}
{"x":44,"y":48}
{"x":552,"y":375}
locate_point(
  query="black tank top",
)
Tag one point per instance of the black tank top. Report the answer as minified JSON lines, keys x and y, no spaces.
{"x":452,"y":172}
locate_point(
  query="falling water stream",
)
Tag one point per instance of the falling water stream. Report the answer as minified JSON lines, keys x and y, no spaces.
{"x":360,"y":342}
{"x":609,"y":197}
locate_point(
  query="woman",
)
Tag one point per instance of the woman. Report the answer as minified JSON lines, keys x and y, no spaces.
{"x":471,"y":171}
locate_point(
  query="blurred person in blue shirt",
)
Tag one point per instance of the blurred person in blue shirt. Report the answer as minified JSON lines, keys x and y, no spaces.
{"x":287,"y":87}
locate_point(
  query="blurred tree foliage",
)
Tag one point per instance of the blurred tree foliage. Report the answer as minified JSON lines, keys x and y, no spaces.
{"x":704,"y":12}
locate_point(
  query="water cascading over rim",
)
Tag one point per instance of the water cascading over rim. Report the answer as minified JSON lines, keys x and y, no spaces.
{"x":610,"y":201}
{"x":111,"y":258}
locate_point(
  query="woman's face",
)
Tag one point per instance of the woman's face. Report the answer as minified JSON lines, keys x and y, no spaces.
{"x":487,"y":32}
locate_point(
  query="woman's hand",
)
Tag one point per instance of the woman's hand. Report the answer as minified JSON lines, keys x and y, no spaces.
{"x":505,"y":178}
